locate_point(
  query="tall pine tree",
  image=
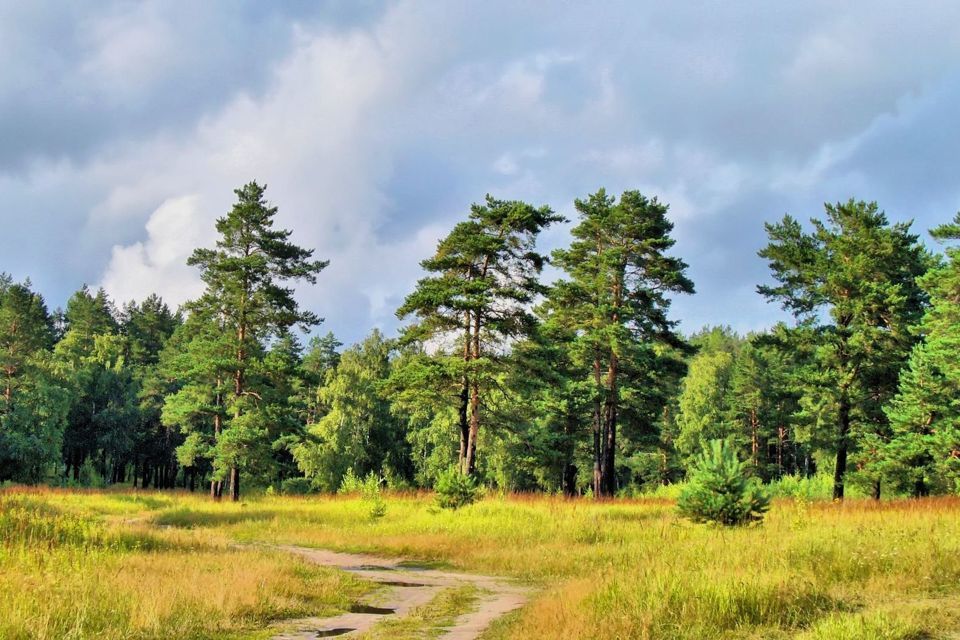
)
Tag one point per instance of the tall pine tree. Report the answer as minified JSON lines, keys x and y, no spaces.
{"x":248,"y":297}
{"x":852,"y":280}
{"x":924,"y":452}
{"x":616,"y":301}
{"x":484,"y":276}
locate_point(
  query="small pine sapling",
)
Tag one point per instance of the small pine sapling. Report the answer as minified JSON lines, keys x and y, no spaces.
{"x":720,"y":489}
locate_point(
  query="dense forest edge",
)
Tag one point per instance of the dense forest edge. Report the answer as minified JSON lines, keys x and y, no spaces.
{"x":583,"y":386}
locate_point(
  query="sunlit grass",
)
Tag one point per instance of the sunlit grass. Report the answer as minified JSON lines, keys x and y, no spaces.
{"x":68,"y":570}
{"x":625,"y":569}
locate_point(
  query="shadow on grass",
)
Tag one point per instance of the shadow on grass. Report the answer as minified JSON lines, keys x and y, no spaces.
{"x":188,"y":518}
{"x":30,"y":524}
{"x":149,"y":503}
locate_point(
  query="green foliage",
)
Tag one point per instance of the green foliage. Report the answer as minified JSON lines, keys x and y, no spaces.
{"x":455,"y":489}
{"x":358,"y":431}
{"x":419,"y":388}
{"x":92,"y":357}
{"x":483,"y":279}
{"x":720,"y":490}
{"x":922,"y":453}
{"x":296,"y":486}
{"x":615,"y":302}
{"x":550,"y":411}
{"x":228,"y":388}
{"x":852,"y":282}
{"x":704,"y":402}
{"x":369,"y":488}
{"x":33,"y":400}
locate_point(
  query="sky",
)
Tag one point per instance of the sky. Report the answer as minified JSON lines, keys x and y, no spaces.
{"x":125,"y":127}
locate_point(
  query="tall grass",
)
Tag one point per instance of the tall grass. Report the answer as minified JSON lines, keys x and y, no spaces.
{"x":620,"y":569}
{"x":67,"y":571}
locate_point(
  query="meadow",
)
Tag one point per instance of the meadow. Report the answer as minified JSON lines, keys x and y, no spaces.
{"x":124,"y":564}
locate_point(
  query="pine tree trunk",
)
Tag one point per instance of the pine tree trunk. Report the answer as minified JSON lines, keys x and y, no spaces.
{"x":568,"y":479}
{"x":234,"y":483}
{"x":471,"y":465}
{"x":608,"y":468}
{"x":474,"y":401}
{"x":597,"y":432}
{"x":781,"y":436}
{"x":464,"y":406}
{"x":842,"y":443}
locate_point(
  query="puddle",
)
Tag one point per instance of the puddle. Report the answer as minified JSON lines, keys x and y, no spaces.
{"x":399,"y":583}
{"x":366,"y":608}
{"x":370,"y":567}
{"x":336,"y":631}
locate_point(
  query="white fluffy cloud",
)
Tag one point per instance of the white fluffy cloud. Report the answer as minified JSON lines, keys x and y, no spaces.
{"x":314,"y":136}
{"x":159,"y":263}
{"x":126,"y":129}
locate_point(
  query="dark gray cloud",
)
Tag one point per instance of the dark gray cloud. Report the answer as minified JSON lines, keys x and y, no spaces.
{"x":76,"y":77}
{"x":125,"y":127}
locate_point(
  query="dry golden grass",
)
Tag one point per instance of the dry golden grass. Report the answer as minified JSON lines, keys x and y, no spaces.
{"x":69,"y":572}
{"x":622,"y":569}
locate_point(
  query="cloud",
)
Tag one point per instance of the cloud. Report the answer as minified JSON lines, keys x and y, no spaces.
{"x":160,"y":262}
{"x":127,"y":126}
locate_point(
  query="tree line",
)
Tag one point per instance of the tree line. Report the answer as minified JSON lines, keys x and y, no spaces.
{"x":580,"y":386}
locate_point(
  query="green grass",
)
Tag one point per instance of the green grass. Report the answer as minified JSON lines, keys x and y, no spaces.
{"x":430,"y":620}
{"x":623,"y":569}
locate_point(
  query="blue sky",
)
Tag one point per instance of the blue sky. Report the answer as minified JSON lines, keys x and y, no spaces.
{"x":125,"y":127}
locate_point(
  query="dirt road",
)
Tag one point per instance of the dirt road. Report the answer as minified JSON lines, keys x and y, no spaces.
{"x":404,"y":588}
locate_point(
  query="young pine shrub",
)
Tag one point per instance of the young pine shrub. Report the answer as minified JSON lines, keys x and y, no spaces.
{"x":455,"y":490}
{"x":720,"y":490}
{"x":372,"y":494}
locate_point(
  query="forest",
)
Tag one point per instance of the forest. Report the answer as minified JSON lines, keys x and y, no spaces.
{"x":579,"y":384}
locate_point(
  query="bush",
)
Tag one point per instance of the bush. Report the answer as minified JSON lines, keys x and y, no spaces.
{"x":369,"y":489}
{"x":350,"y":483}
{"x":455,"y":490}
{"x":720,"y":489}
{"x":296,"y":486}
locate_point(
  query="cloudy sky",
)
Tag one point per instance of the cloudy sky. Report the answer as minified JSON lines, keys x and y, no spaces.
{"x":125,"y":126}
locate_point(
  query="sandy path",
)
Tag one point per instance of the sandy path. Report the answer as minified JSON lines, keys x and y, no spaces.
{"x":405,"y":588}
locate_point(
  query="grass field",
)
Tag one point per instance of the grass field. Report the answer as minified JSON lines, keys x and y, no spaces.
{"x":151,"y":565}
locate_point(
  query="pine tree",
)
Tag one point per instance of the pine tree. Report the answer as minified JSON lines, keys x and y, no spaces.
{"x":763,"y":404}
{"x":484,"y":278}
{"x":924,"y":452}
{"x":193,"y":381}
{"x":550,"y":410}
{"x":103,"y":412}
{"x":852,"y":280}
{"x":33,"y":401}
{"x":616,"y":302}
{"x":248,"y":298}
{"x":720,"y":489}
{"x":147,"y":327}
